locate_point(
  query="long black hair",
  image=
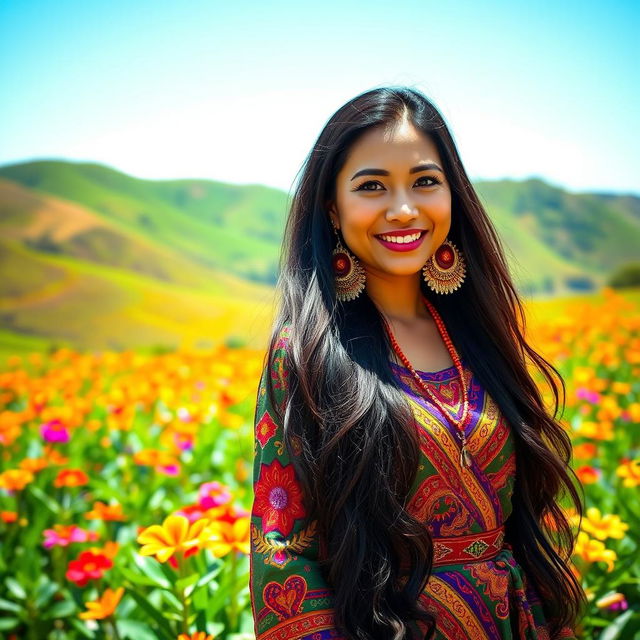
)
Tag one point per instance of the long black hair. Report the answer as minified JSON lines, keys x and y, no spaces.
{"x":360,"y":451}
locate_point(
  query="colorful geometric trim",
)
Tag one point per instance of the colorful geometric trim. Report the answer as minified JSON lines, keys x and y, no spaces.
{"x":470,"y":548}
{"x":307,"y":625}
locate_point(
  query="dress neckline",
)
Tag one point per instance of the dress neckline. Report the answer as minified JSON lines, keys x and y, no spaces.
{"x":442,"y":374}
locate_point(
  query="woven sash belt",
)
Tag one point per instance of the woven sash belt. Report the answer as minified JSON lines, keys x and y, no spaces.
{"x":470,"y":548}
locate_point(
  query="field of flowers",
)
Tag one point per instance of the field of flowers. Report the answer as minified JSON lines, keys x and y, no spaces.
{"x":125,"y":483}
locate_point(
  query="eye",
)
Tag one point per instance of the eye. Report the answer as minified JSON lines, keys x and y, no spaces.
{"x":435,"y":180}
{"x":368,"y":182}
{"x":373,"y":183}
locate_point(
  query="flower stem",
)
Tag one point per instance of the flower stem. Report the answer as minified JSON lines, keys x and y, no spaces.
{"x":183,"y":599}
{"x":233,"y":606}
{"x":114,"y":626}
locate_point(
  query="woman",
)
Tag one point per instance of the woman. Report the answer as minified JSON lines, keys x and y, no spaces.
{"x":406,"y":471}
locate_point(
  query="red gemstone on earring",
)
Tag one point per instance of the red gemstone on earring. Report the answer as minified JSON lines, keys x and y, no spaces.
{"x":444,"y":257}
{"x":341,"y":264}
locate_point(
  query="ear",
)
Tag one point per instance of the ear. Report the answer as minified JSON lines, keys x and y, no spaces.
{"x":333,"y":215}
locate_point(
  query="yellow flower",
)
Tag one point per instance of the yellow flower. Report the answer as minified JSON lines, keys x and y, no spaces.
{"x":174,"y":535}
{"x":104,"y":606}
{"x":630,"y":471}
{"x":220,"y":537}
{"x":603,"y":527}
{"x":196,"y":635}
{"x":594,"y":551}
{"x":15,"y":479}
{"x":611,"y":599}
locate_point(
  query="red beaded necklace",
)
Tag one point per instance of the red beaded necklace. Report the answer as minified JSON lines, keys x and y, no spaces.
{"x":465,"y":456}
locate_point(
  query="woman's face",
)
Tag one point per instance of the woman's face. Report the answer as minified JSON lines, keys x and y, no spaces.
{"x":393,"y":202}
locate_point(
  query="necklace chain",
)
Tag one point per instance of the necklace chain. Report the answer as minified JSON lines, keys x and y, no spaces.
{"x":465,"y":456}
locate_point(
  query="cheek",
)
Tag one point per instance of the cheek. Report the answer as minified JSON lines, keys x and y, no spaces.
{"x":440,"y":207}
{"x":357,"y":215}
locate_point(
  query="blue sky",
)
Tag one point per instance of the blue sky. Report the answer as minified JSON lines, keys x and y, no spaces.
{"x":238,"y":91}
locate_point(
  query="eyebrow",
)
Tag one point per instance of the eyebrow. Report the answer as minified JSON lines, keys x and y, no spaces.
{"x":384,"y":172}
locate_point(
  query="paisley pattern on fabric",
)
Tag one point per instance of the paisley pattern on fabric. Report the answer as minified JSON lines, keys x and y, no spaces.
{"x":484,"y":596}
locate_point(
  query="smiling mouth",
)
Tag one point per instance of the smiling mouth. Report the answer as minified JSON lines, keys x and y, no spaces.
{"x":406,"y":238}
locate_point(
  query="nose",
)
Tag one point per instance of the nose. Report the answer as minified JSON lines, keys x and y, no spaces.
{"x":404,"y":213}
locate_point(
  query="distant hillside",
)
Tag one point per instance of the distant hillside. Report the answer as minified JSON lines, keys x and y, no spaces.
{"x":213,"y":224}
{"x":97,"y":258}
{"x":594,"y":233}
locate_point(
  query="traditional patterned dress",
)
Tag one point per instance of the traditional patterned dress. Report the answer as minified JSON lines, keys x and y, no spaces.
{"x":477,"y":591}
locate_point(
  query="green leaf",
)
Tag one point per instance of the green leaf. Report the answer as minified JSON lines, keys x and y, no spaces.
{"x":172,"y":601}
{"x":135,"y":630}
{"x":8,"y":623}
{"x":81,"y":628}
{"x":186,"y":582}
{"x":612,"y":632}
{"x":7,"y":605}
{"x":163,"y":626}
{"x":61,"y":609}
{"x":149,"y":567}
{"x":208,"y":577}
{"x":138,"y":578}
{"x":45,"y":592}
{"x":16,"y":588}
{"x":42,"y":497}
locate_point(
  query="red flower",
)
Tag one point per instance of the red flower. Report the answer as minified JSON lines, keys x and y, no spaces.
{"x":88,"y":566}
{"x":278,"y":498}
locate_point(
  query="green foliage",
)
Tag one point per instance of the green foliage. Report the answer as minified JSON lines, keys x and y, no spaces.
{"x":627,"y":275}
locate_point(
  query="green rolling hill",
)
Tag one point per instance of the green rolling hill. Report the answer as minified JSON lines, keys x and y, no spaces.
{"x":95,"y":258}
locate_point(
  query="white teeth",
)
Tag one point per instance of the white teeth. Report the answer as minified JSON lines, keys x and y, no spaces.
{"x":402,"y":239}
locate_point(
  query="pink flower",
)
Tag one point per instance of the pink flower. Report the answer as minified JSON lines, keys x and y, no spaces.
{"x":63,"y":535}
{"x":54,"y":431}
{"x":169,"y":469}
{"x":213,"y":494}
{"x":192,"y":512}
{"x":590,"y":396}
{"x":183,"y":441}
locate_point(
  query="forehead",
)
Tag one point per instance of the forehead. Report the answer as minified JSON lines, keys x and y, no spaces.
{"x":399,"y":144}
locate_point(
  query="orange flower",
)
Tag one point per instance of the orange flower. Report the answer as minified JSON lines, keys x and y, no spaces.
{"x":109,"y":549}
{"x":154,"y":458}
{"x":173,"y":536}
{"x":15,"y":479}
{"x":102,"y":511}
{"x":587,"y":474}
{"x":34,"y":464}
{"x":585,"y":451}
{"x":222,"y":537}
{"x":8,"y":516}
{"x":53,"y":456}
{"x":196,"y":635}
{"x":71,"y":478}
{"x":104,"y":607}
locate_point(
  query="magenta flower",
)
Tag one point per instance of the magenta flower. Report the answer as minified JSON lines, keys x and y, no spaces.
{"x":54,"y":431}
{"x":169,"y":469}
{"x":590,"y":396}
{"x":183,"y":442}
{"x":63,"y":535}
{"x":192,"y":512}
{"x":213,"y":494}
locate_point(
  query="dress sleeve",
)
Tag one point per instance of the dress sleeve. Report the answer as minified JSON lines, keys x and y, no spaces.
{"x":289,"y":596}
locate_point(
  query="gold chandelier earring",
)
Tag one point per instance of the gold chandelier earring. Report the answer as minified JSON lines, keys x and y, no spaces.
{"x":445,"y":270}
{"x":349,"y":275}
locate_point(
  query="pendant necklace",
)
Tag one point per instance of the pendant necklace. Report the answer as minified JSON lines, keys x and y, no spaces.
{"x":459,"y":423}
